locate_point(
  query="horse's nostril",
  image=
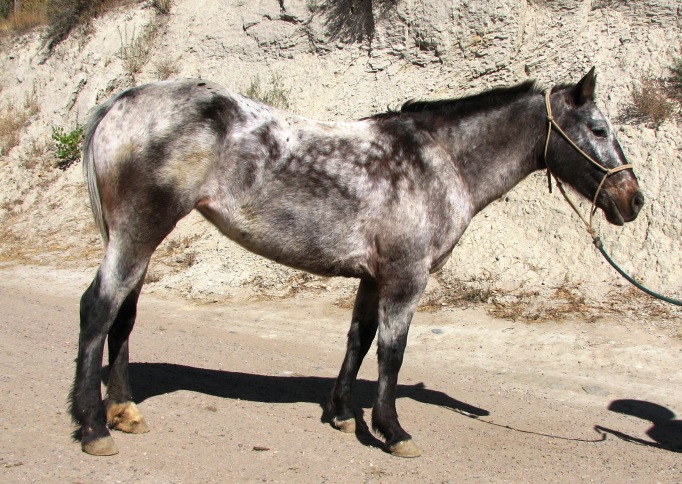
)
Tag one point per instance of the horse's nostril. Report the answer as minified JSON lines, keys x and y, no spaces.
{"x":637,"y":202}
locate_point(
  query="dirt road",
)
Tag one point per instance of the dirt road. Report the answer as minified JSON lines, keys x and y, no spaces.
{"x":236,"y":391}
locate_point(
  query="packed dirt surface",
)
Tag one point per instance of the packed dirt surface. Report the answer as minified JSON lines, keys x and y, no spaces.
{"x":233,"y":356}
{"x":237,"y":391}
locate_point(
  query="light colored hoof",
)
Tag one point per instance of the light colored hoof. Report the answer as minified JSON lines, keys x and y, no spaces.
{"x":406,"y":448}
{"x":126,"y":418}
{"x":136,"y":426}
{"x":346,"y":426}
{"x":102,"y":446}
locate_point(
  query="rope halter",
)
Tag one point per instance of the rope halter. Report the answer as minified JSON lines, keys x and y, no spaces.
{"x":607,"y":171}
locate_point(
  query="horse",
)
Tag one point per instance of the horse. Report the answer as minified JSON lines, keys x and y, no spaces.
{"x":383,"y":199}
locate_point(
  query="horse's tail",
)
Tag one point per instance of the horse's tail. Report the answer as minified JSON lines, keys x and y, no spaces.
{"x":89,"y":168}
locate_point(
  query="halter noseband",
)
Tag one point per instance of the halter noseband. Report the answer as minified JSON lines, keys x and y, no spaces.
{"x":607,"y":171}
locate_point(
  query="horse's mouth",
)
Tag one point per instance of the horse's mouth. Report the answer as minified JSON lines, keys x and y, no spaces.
{"x":623,"y":209}
{"x":613,"y":216}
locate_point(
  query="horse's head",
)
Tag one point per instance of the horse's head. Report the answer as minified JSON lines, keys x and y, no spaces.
{"x":582,"y":122}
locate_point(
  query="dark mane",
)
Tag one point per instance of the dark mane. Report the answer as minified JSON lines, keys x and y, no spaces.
{"x":485,"y":100}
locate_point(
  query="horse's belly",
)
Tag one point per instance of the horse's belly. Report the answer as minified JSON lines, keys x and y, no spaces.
{"x":310,"y":257}
{"x":305,"y":244}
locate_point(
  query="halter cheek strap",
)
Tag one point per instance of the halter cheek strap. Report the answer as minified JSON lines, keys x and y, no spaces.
{"x":607,"y":171}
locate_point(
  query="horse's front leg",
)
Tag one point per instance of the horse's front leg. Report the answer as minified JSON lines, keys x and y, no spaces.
{"x":363,"y":328}
{"x":397,"y":304}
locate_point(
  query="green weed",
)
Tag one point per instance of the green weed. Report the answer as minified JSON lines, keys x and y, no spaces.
{"x":68,"y":145}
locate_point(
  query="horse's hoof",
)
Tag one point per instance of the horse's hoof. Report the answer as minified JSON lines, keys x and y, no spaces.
{"x":101,"y":446}
{"x":126,"y":418}
{"x":346,"y":426}
{"x":406,"y":448}
{"x":135,"y":426}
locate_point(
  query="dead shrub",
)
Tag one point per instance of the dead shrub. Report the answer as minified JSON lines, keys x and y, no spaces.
{"x":458,"y":294}
{"x":650,"y":105}
{"x":12,"y":119}
{"x":163,"y":7}
{"x":136,"y":51}
{"x":165,"y":68}
{"x":273,"y":93}
{"x":152,"y":277}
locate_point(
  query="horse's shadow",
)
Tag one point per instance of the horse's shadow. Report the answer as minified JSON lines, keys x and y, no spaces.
{"x":665,"y":431}
{"x":153,"y":379}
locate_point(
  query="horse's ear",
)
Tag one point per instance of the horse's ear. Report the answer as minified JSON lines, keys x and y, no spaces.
{"x":584,"y":90}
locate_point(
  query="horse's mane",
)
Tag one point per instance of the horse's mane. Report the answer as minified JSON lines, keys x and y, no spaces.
{"x":469,"y":104}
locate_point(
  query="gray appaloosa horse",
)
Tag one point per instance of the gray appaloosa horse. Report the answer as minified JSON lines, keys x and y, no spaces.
{"x":383,"y":199}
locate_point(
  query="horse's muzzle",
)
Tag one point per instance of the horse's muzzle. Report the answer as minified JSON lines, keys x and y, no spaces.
{"x":625,"y":205}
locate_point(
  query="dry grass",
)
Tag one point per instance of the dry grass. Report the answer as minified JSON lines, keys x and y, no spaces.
{"x":166,"y":67}
{"x":303,"y":281}
{"x":162,"y":7}
{"x":32,"y":15}
{"x":650,"y":104}
{"x":61,"y":16}
{"x":31,"y":105}
{"x":564,"y":303}
{"x":35,"y":154}
{"x":152,"y":277}
{"x":136,"y":50}
{"x":177,"y":253}
{"x":568,"y":302}
{"x":272,"y":93}
{"x":458,"y":294}
{"x":12,"y":120}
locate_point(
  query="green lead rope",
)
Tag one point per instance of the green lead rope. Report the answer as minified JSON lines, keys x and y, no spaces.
{"x":599,"y":245}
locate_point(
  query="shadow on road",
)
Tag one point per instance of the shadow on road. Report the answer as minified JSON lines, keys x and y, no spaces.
{"x":666,"y":431}
{"x":152,"y":379}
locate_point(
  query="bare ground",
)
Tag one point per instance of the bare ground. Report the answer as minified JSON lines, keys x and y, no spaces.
{"x":237,"y":392}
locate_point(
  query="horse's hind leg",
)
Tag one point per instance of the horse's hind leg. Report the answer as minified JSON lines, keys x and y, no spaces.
{"x":119,"y":275}
{"x":363,"y":328}
{"x":122,"y":413}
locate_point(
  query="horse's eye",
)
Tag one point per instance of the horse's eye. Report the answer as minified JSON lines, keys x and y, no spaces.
{"x":600,"y":132}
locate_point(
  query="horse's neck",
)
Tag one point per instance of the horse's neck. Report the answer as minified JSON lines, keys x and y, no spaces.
{"x":494,"y":151}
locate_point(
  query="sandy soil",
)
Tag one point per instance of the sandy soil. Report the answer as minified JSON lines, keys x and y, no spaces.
{"x":237,"y":391}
